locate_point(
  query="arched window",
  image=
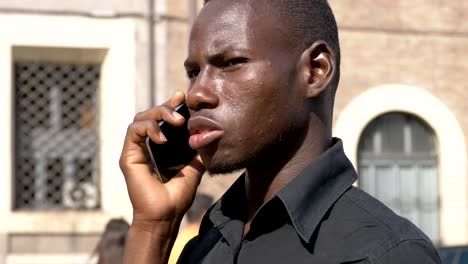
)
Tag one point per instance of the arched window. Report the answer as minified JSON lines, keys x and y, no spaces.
{"x":398,"y":165}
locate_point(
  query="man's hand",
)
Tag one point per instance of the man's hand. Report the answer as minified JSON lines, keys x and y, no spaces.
{"x":157,"y":208}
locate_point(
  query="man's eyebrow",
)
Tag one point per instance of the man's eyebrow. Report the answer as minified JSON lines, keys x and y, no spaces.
{"x":228,"y":48}
{"x":220,"y":54}
{"x":216,"y":55}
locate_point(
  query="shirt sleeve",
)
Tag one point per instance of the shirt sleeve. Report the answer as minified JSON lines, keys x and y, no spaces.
{"x":409,"y":252}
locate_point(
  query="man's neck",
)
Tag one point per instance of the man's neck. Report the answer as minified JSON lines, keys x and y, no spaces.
{"x":265,"y":180}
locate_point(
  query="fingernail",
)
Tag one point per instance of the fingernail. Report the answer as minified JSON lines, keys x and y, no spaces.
{"x":179,"y":94}
{"x":162,"y":137}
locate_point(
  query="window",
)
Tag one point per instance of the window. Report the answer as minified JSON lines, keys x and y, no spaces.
{"x":56,"y":146}
{"x":398,"y":165}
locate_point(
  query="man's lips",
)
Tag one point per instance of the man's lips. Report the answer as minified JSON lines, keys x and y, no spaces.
{"x":203,"y":131}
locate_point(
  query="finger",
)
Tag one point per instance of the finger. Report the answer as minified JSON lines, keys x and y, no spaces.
{"x":188,"y":179}
{"x":155,"y":131}
{"x":154,"y":112}
{"x":177,"y":99}
{"x":162,"y":112}
{"x":194,"y":170}
{"x":138,"y":175}
{"x":133,"y":152}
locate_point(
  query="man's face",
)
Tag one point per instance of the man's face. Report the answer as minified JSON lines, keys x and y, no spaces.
{"x":243,"y":92}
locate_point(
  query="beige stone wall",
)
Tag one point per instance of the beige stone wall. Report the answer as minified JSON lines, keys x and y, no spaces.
{"x":421,"y":43}
{"x":176,"y":54}
{"x":178,"y":8}
{"x":436,"y":63}
{"x":418,"y":15}
{"x":119,"y":6}
{"x":418,"y":43}
{"x":178,"y":35}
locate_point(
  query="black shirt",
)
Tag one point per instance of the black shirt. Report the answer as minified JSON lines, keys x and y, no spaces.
{"x":319,"y":217}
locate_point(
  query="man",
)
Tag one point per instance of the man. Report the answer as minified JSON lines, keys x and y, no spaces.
{"x":263,"y":76}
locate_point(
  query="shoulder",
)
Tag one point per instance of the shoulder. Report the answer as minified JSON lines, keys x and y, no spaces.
{"x":370,"y":229}
{"x":392,"y":227}
{"x":199,"y":246}
{"x":409,"y":251}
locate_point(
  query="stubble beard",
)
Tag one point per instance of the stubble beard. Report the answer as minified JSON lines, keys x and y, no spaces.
{"x":279,"y":150}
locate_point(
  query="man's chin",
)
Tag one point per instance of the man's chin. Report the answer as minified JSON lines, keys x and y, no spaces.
{"x":219,"y":169}
{"x":225,"y":165}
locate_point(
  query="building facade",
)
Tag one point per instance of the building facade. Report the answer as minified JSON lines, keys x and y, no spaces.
{"x":408,"y":59}
{"x":73,"y":75}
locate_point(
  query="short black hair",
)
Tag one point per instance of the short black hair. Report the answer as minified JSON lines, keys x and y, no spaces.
{"x":309,"y":21}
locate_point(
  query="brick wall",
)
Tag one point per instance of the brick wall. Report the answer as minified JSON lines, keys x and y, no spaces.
{"x":420,"y":43}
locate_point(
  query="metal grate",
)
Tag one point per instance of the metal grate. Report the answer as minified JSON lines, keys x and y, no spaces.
{"x":56,"y":164}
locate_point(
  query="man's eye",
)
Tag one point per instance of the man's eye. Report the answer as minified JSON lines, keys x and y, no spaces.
{"x":192,"y":73}
{"x":234,"y":62}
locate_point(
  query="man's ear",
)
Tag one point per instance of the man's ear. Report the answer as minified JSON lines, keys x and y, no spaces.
{"x":317,"y":68}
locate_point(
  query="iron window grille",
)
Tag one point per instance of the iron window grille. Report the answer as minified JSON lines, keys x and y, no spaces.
{"x":56,"y":143}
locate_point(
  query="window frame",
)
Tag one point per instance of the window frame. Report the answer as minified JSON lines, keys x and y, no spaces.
{"x":116,"y":38}
{"x":407,"y":158}
{"x":57,"y":57}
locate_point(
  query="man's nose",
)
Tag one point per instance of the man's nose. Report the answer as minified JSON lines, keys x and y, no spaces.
{"x":203,"y":94}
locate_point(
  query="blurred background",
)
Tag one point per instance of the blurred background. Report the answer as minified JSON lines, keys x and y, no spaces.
{"x":74,"y":73}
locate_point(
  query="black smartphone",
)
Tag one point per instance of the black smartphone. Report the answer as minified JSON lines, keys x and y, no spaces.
{"x":169,"y":158}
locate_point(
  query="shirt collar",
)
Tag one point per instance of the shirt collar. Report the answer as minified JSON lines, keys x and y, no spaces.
{"x":309,"y":196}
{"x":306,"y":198}
{"x":231,"y":206}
